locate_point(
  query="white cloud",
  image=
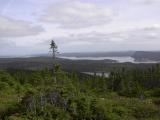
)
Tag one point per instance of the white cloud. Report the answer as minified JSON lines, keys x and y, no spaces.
{"x":117,"y":25}
{"x":147,"y":2}
{"x":17,"y":28}
{"x":77,"y":14}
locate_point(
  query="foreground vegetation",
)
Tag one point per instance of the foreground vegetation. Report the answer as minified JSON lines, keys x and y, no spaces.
{"x":132,"y":94}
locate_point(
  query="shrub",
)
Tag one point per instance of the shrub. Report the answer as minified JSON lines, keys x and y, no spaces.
{"x":145,"y":111}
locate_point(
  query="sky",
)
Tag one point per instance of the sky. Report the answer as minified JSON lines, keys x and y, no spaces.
{"x":28,"y":26}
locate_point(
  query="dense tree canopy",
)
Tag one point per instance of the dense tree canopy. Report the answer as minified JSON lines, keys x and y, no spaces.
{"x":34,"y":95}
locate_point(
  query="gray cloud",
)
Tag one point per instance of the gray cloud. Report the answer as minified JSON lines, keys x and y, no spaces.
{"x":5,"y":47}
{"x":146,"y":38}
{"x":17,"y":28}
{"x":4,"y":43}
{"x":77,"y":14}
{"x":9,"y":48}
{"x":126,"y":30}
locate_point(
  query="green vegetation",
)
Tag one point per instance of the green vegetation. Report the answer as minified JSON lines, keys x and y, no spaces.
{"x":35,"y":95}
{"x":53,"y":94}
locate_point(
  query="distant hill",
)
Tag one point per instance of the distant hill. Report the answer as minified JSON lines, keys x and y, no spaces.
{"x":40,"y":61}
{"x":139,"y":56}
{"x":98,"y":54}
{"x":146,"y":56}
{"x":36,"y":63}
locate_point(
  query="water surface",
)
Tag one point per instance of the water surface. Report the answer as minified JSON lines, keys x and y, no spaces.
{"x":118,"y":59}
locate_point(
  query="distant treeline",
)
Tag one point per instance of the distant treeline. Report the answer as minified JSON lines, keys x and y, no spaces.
{"x":38,"y":63}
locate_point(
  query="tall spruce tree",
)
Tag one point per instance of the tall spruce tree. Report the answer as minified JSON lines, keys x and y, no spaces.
{"x":54,"y":48}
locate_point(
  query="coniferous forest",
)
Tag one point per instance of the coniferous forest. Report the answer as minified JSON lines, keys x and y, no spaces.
{"x":55,"y":94}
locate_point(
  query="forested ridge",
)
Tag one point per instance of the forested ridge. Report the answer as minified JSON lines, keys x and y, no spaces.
{"x":127,"y":94}
{"x":52,"y":93}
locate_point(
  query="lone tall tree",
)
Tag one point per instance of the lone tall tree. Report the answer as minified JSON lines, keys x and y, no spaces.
{"x":53,"y":47}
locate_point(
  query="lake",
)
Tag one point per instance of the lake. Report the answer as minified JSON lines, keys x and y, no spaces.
{"x":118,"y":59}
{"x":100,"y":74}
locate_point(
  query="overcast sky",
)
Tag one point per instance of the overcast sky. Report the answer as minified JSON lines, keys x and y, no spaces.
{"x":27,"y":26}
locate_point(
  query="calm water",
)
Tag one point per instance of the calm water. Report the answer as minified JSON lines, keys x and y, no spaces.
{"x":97,"y":74}
{"x":118,"y":59}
